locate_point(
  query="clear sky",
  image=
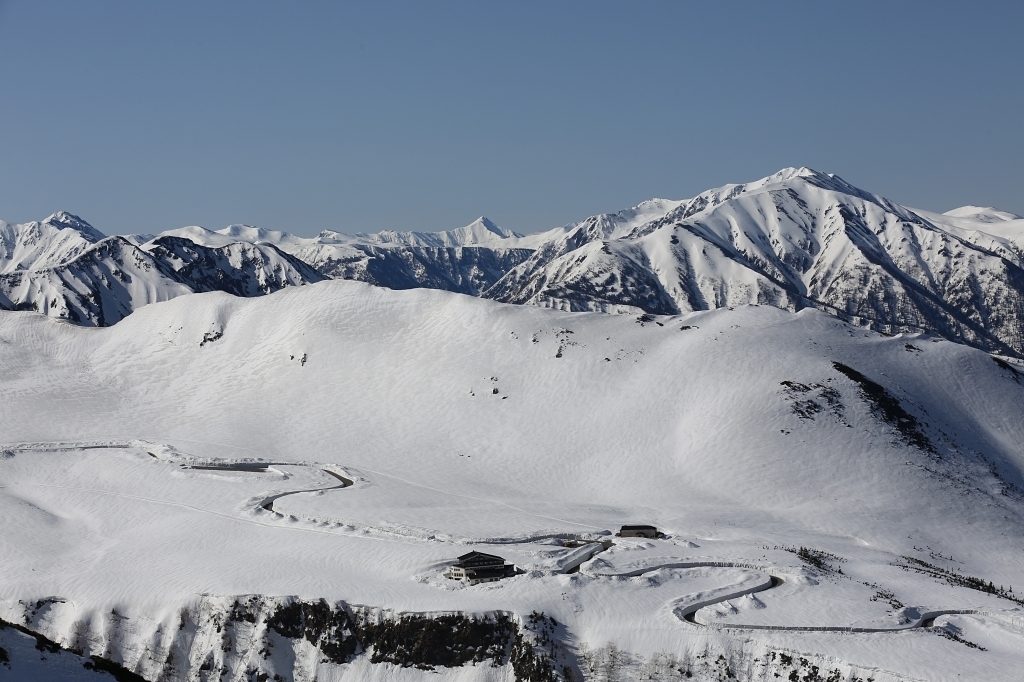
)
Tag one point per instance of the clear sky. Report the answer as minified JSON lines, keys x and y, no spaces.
{"x":359,"y":116}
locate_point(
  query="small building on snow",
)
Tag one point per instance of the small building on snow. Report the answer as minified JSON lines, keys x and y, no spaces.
{"x":477,"y":567}
{"x":639,"y":532}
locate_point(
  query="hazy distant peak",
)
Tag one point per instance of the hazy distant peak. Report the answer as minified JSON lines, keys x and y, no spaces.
{"x":249,"y":233}
{"x":983,"y":214}
{"x":480,"y":230}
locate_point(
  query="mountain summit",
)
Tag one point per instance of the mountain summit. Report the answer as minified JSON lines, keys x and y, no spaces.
{"x":796,"y":239}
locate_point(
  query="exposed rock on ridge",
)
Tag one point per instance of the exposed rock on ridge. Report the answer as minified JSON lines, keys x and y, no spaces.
{"x":107,"y":280}
{"x":795,"y":239}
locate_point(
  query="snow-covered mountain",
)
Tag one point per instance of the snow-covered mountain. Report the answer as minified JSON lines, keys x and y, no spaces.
{"x":837,"y":504}
{"x":65,"y":268}
{"x":481,"y":232}
{"x":982,"y":214}
{"x":796,"y":239}
{"x":52,"y":242}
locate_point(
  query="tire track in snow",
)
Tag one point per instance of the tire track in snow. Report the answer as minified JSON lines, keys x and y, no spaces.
{"x":268,"y":502}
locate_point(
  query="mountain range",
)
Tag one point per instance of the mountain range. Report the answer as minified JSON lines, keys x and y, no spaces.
{"x":793,"y":240}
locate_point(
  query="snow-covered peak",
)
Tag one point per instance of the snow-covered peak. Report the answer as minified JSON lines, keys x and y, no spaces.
{"x":234,"y":234}
{"x":615,"y":225}
{"x":628,"y":220}
{"x":982,"y":214}
{"x":62,"y":220}
{"x":199,"y":235}
{"x":998,"y":231}
{"x":786,"y":175}
{"x":481,"y":231}
{"x":47,"y":243}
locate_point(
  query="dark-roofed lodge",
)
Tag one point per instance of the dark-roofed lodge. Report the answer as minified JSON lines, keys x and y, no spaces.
{"x":477,"y":567}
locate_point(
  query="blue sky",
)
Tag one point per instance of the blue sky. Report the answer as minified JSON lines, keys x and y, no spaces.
{"x":145,"y":116}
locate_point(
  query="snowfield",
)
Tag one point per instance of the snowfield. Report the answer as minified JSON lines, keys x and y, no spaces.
{"x":827,"y":493}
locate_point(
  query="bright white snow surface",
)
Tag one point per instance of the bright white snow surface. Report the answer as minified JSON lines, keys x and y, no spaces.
{"x":467,"y":424}
{"x":986,"y":227}
{"x":480,"y":232}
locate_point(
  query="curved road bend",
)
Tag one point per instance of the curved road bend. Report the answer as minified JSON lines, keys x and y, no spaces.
{"x":688,"y":613}
{"x":268,"y":502}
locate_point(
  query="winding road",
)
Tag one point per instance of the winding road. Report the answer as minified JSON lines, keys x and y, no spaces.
{"x":244,"y":466}
{"x":268,"y":502}
{"x":688,"y":612}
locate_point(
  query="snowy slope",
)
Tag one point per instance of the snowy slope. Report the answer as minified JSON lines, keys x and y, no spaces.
{"x":469,"y":424}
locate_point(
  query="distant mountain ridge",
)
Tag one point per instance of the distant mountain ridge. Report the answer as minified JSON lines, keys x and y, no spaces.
{"x":65,"y":268}
{"x":798,"y":238}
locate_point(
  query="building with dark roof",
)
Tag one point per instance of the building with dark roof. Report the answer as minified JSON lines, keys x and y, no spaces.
{"x":477,"y":567}
{"x":638,"y":532}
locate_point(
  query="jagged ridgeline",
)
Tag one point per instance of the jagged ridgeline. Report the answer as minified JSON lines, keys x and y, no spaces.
{"x":795,"y":239}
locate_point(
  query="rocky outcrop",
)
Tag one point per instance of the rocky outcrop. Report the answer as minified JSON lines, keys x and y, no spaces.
{"x":258,"y":639}
{"x":285,"y":638}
